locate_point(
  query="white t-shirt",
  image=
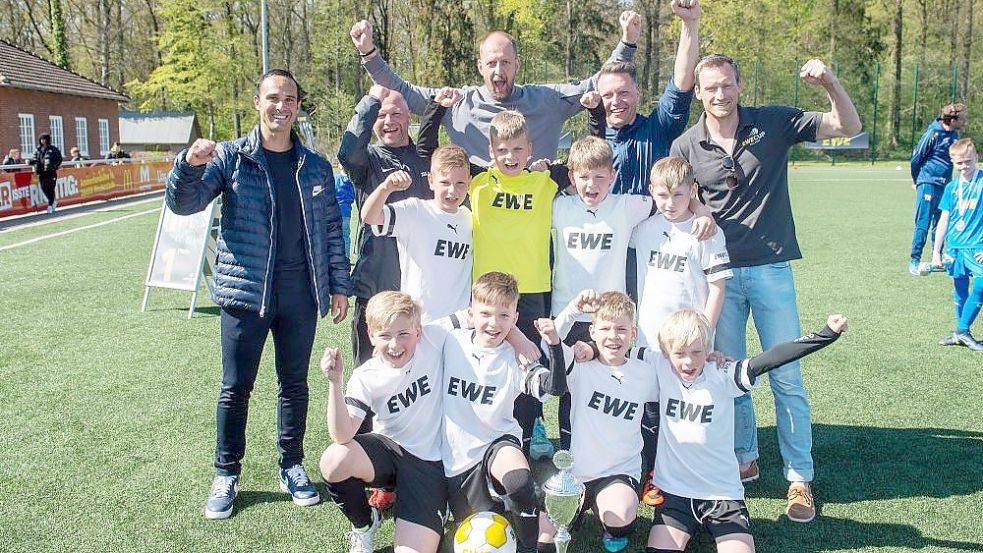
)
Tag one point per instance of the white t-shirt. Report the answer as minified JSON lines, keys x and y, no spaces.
{"x":592,"y":244}
{"x":406,"y":402}
{"x":695,"y":456}
{"x":674,"y":270}
{"x":606,"y":416}
{"x":480,"y":386}
{"x":435,"y":254}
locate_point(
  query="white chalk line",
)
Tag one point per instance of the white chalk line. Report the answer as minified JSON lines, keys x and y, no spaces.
{"x":70,"y":231}
{"x":69,"y":216}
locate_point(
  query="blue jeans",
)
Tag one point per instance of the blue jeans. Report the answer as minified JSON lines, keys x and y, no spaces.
{"x":767,"y":292}
{"x":346,"y":234}
{"x":927,"y":198}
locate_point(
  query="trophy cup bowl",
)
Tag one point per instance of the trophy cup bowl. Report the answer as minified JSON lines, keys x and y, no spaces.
{"x":563,"y":497}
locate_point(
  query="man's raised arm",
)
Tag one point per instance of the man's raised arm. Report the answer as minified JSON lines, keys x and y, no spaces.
{"x":842,"y":119}
{"x":688,"y":51}
{"x":417,"y":97}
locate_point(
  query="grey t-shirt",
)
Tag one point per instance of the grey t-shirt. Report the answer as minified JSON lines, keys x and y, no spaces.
{"x":752,"y":207}
{"x":545,"y":106}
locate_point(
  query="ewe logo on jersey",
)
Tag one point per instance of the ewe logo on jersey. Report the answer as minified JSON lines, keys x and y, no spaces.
{"x":448,"y":248}
{"x":416,"y":390}
{"x":667,"y":261}
{"x":681,"y":410}
{"x":471,"y":391}
{"x":589,"y":241}
{"x":613,"y":406}
{"x":516,"y":202}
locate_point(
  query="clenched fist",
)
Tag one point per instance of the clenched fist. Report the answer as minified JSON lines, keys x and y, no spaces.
{"x":201,"y":152}
{"x":631,"y":26}
{"x":397,"y":181}
{"x":687,"y":10}
{"x":361,"y":34}
{"x":547,"y":329}
{"x":590,"y":100}
{"x":816,"y":73}
{"x":332,"y":365}
{"x":837,"y":323}
{"x":378,"y":92}
{"x":448,"y":96}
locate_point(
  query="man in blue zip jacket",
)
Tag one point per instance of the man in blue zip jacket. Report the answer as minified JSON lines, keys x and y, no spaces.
{"x":931,"y":169}
{"x":280,"y":265}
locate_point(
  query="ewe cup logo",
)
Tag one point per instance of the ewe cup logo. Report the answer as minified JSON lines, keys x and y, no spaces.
{"x":752,"y":139}
{"x":485,"y":533}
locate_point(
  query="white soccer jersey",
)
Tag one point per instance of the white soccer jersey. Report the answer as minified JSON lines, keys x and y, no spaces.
{"x":435,"y":254}
{"x":674,"y":270}
{"x":592,"y":244}
{"x":606,"y":416}
{"x":480,"y":386}
{"x":695,"y":456}
{"x":406,"y":401}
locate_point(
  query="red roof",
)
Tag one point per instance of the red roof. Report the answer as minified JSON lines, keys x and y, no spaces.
{"x":22,"y":69}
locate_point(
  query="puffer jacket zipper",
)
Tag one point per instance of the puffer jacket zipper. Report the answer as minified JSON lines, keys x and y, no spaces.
{"x":307,"y":229}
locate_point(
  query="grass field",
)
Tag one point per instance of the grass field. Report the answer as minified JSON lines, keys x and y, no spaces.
{"x":107,"y":413}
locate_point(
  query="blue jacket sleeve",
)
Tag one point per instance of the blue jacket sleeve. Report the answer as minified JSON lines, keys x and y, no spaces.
{"x":672,"y":111}
{"x":922,"y":152}
{"x":339,"y":281}
{"x":189,"y":189}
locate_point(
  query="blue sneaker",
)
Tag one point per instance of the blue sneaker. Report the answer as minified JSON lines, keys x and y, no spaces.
{"x":295,"y":482}
{"x":613,"y":544}
{"x":966,"y":339}
{"x":540,"y":446}
{"x":222,"y":497}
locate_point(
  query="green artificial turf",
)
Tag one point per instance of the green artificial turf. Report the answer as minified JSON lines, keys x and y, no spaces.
{"x":107,"y":413}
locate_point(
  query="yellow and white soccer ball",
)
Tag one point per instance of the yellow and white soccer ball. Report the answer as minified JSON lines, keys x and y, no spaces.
{"x":485,"y":533}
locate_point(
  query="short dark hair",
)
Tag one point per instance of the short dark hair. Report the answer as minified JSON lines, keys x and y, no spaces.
{"x":281,"y":73}
{"x":714,"y":61}
{"x":44,"y":136}
{"x":620,"y":68}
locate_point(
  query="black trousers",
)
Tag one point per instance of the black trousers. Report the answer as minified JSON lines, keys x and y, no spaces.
{"x":48,"y":181}
{"x":292,"y":317}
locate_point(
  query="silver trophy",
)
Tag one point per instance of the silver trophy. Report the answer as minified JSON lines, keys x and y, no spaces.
{"x":563,"y":497}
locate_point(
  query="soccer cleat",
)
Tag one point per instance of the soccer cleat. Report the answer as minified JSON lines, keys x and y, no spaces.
{"x":361,"y":541}
{"x":381,"y":499}
{"x":749,"y":472}
{"x":613,"y":544}
{"x":950,"y":340}
{"x":222,"y":497}
{"x":801,"y":504}
{"x":651,"y":494}
{"x":540,"y":446}
{"x":294,"y":481}
{"x":966,"y":339}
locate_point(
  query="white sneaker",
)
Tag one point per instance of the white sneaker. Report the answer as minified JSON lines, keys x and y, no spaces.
{"x":361,"y":542}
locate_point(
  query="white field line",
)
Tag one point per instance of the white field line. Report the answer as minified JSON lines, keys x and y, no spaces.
{"x":69,"y":216}
{"x":70,"y":231}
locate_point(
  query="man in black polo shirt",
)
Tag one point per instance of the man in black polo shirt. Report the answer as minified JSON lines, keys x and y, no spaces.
{"x":740,"y":156}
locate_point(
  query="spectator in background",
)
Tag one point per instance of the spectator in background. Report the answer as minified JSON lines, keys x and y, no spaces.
{"x":346,"y":196}
{"x":77,"y":156}
{"x":116,"y":152}
{"x":47,"y":160}
{"x":13,"y":158}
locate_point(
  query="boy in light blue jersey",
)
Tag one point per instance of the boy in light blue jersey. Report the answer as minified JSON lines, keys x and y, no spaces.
{"x":960,"y":228}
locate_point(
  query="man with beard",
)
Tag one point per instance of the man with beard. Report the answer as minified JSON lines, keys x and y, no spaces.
{"x":545,"y":106}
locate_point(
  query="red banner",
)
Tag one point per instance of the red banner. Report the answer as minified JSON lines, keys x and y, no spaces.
{"x":20,"y":192}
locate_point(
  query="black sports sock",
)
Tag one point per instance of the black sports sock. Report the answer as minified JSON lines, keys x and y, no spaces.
{"x":349,"y":495}
{"x":521,"y":489}
{"x":619,"y":531}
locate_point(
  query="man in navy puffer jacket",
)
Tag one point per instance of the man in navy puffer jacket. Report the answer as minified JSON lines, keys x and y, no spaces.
{"x":280,"y":265}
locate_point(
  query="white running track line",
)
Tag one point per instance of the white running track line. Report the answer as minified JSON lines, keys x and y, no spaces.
{"x":69,"y":216}
{"x":70,"y":231}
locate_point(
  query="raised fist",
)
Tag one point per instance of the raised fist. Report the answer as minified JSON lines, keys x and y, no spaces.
{"x":397,"y":181}
{"x":586,"y":301}
{"x":378,"y":92}
{"x":837,"y":323}
{"x":448,"y":96}
{"x":547,"y":329}
{"x":201,"y":152}
{"x":332,"y":365}
{"x":540,"y":165}
{"x":816,"y":73}
{"x":361,"y":34}
{"x":631,"y":26}
{"x":582,"y":352}
{"x":687,"y":10}
{"x":591,"y":99}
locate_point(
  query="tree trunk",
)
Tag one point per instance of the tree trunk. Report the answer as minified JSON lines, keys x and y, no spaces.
{"x":923,"y":36}
{"x":954,"y":33}
{"x":967,"y":49}
{"x":568,"y":62}
{"x":120,"y":48}
{"x":104,"y":42}
{"x":58,"y":34}
{"x":834,"y":20}
{"x":895,"y":117}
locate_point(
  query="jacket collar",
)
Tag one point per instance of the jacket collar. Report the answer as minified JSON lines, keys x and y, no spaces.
{"x":745,"y":118}
{"x":253,"y":147}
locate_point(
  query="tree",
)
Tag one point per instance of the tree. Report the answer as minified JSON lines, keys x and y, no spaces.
{"x":58,"y":34}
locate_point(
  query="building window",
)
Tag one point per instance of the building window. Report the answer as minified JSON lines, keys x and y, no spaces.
{"x":82,"y":135}
{"x":27,"y":144}
{"x":57,"y":132}
{"x":103,"y":137}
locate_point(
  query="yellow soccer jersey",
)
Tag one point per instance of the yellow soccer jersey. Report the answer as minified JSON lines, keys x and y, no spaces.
{"x":512,"y":218}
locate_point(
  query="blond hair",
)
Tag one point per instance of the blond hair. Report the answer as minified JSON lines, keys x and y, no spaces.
{"x":495,"y":288}
{"x":684,"y":328}
{"x":962,"y":147}
{"x":614,"y":305}
{"x":590,"y":154}
{"x":385,"y":307}
{"x":506,"y":126}
{"x":672,"y":172}
{"x":448,"y":157}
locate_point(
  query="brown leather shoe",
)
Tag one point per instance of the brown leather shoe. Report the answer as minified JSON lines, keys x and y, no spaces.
{"x":801,"y":504}
{"x":749,"y":472}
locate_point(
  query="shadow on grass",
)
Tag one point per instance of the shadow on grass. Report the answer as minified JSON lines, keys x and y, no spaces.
{"x":839,"y":534}
{"x":212,"y":310}
{"x":249,"y":498}
{"x":857,"y":463}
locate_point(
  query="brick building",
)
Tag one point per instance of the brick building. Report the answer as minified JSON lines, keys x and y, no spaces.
{"x":37,"y":96}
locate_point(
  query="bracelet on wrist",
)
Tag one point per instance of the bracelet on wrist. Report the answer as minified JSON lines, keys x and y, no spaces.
{"x":369,"y":53}
{"x":629,"y":44}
